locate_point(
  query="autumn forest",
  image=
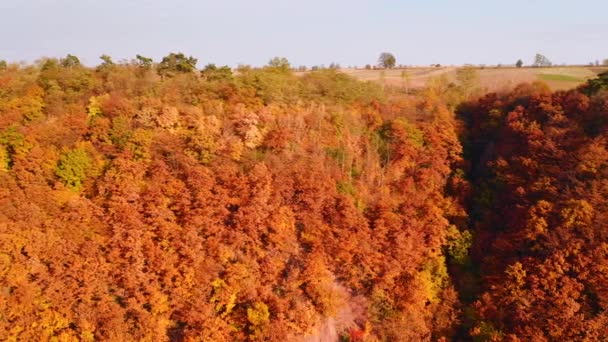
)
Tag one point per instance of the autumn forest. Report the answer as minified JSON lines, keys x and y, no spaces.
{"x":154,"y":201}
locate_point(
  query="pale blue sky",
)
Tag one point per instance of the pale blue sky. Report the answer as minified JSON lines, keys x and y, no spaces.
{"x":308,"y":32}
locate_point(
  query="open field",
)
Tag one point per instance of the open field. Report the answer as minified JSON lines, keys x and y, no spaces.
{"x":491,"y":79}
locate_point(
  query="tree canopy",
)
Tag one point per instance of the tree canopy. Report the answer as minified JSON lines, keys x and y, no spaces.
{"x":541,"y":61}
{"x":387,"y":60}
{"x":173,"y":64}
{"x":269,"y":205}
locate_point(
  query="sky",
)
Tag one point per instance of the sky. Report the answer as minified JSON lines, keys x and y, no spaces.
{"x":311,"y":32}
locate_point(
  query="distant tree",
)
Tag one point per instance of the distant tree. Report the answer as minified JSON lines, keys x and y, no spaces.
{"x":605,"y":62}
{"x":279,"y":64}
{"x":107,"y":60}
{"x":243,"y":68}
{"x":519,"y":63}
{"x":541,"y":61}
{"x":387,"y":60}
{"x":368,"y":67}
{"x":176,"y":63}
{"x":70,"y":61}
{"x":212,"y":73}
{"x":334,"y":66}
{"x":106,"y":64}
{"x":3,"y":64}
{"x":143,"y":62}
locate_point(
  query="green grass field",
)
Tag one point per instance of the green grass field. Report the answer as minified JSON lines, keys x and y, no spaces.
{"x":560,"y":77}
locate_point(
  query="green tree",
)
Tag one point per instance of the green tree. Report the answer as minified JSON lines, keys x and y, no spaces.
{"x":106,"y":64}
{"x":212,"y":73}
{"x":176,"y":63}
{"x":143,"y":62}
{"x":519,"y":63}
{"x":279,"y":64}
{"x":107,"y":60}
{"x":3,"y":64}
{"x":73,"y":167}
{"x":70,"y":61}
{"x":387,"y":60}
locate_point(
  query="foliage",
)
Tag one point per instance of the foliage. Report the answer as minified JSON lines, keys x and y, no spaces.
{"x":539,"y":158}
{"x":334,"y":86}
{"x":387,"y":60}
{"x":106,"y":64}
{"x":280,"y":64}
{"x":541,"y":61}
{"x":259,"y":317}
{"x":458,"y":245}
{"x":12,"y":142}
{"x":268,"y":205}
{"x":70,"y":61}
{"x":213,"y":73}
{"x":596,"y":85}
{"x":174,"y":64}
{"x":143,"y":62}
{"x":107,"y":60}
{"x":73,"y":167}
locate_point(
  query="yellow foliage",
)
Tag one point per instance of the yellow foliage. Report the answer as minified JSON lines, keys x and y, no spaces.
{"x":259,"y":317}
{"x":578,"y":212}
{"x":258,"y":314}
{"x":94,"y":106}
{"x":87,"y":336}
{"x":236,"y":150}
{"x":432,"y":278}
{"x":4,"y":159}
{"x":32,"y":104}
{"x":160,"y":303}
{"x":537,"y":223}
{"x":230,"y":305}
{"x":223,"y":305}
{"x":517,"y":278}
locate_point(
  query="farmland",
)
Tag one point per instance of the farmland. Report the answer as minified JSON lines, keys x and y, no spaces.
{"x":490,"y":78}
